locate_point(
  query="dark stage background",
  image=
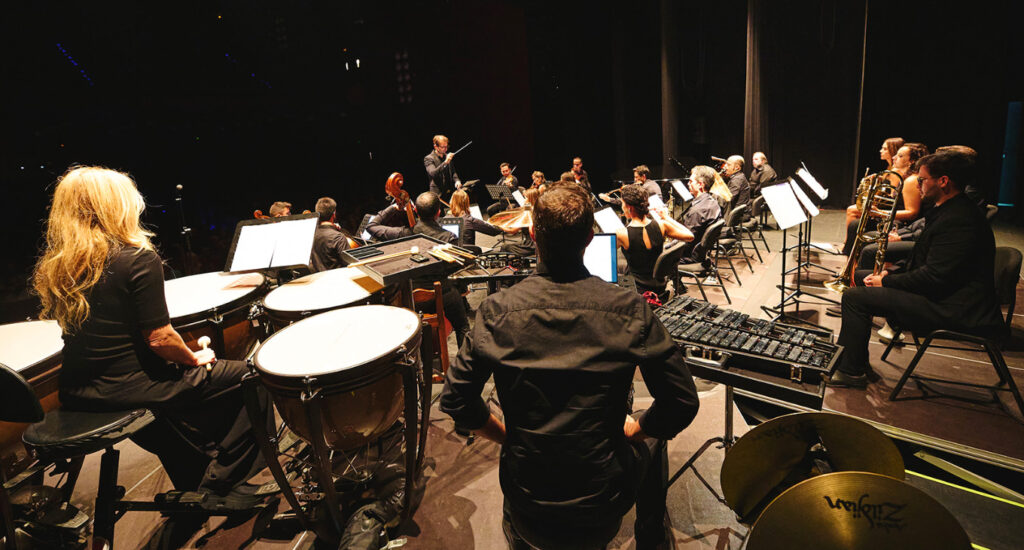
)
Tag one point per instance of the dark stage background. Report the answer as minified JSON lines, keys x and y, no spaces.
{"x":245,"y":103}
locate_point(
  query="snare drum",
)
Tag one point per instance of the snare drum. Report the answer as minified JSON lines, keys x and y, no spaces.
{"x":216,"y":305}
{"x":33,"y":349}
{"x":351,"y":356}
{"x":320,"y":292}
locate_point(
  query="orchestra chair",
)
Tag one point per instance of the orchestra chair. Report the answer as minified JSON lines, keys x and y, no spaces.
{"x":438,"y":324}
{"x":732,"y":244}
{"x":666,"y":268}
{"x":704,"y":267}
{"x":757,"y":209}
{"x":1007,"y":272}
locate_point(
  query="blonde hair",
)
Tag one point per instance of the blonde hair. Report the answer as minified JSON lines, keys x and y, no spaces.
{"x":720,"y":189}
{"x":94,"y":212}
{"x":460,"y":203}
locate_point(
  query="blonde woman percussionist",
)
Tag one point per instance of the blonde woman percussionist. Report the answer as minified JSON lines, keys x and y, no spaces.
{"x":101,"y":280}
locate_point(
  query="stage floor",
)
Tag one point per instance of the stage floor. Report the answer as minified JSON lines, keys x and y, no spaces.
{"x":461,"y":505}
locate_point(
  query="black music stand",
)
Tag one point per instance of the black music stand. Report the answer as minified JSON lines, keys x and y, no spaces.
{"x":789,"y":212}
{"x":804,"y":176}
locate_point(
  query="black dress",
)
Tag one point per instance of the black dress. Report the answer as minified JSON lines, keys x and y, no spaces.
{"x":203,"y":434}
{"x":641,"y":259}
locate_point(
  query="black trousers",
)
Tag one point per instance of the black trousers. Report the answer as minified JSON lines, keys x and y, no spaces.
{"x":903,"y":309}
{"x":895,"y":252}
{"x":851,"y":232}
{"x":203,"y":436}
{"x":529,"y":533}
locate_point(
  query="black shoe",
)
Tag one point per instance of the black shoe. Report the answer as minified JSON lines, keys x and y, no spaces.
{"x":841,"y":379}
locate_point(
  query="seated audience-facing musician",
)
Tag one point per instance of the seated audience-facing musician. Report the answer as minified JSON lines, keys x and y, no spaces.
{"x":738,"y":184}
{"x":511,"y":182}
{"x":641,"y":175}
{"x":761,"y":174}
{"x":643,"y":238}
{"x":563,"y":347}
{"x":908,"y":204}
{"x":538,"y":180}
{"x":460,"y":209}
{"x":101,"y":279}
{"x":704,"y":210}
{"x":579,"y":174}
{"x":280,"y":209}
{"x":329,"y":241}
{"x":948,"y":283}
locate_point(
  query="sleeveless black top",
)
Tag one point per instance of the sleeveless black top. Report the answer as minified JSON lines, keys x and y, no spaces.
{"x":639,"y":258}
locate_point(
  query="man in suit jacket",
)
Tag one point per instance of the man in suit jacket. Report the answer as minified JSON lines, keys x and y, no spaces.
{"x":440,"y":169}
{"x":738,"y":184}
{"x":949,"y":282}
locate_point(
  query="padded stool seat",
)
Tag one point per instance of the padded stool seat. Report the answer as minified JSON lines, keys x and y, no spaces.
{"x":65,"y":434}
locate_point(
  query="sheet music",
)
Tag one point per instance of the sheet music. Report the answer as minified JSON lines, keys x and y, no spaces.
{"x":655,"y":202}
{"x":294,"y":242}
{"x":680,"y":188}
{"x":474,"y":210}
{"x":518,"y":196}
{"x":812,"y":183}
{"x":804,"y":199}
{"x":608,"y":220}
{"x":784,"y":205}
{"x":262,"y":246}
{"x":251,"y":251}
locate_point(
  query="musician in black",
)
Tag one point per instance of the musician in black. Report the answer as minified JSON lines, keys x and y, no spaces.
{"x":563,"y":347}
{"x":329,"y":241}
{"x":949,"y":280}
{"x":738,"y":184}
{"x":460,"y":209}
{"x":579,"y":174}
{"x":704,"y":210}
{"x":762,"y":174}
{"x":444,"y":180}
{"x":511,"y":182}
{"x":120,"y":350}
{"x":428,"y":210}
{"x":643,"y":238}
{"x":641,"y":177}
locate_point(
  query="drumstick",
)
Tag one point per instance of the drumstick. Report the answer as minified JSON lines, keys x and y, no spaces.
{"x":413,"y":250}
{"x":204,"y":342}
{"x":435,"y":252}
{"x":452,"y":249}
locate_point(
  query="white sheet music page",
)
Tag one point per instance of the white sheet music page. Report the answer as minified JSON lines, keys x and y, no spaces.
{"x":518,"y":196}
{"x":680,"y":188}
{"x":608,"y":220}
{"x":254,"y":248}
{"x":804,"y":199}
{"x":294,"y":242}
{"x":813,"y":183}
{"x":784,"y":205}
{"x":474,"y":210}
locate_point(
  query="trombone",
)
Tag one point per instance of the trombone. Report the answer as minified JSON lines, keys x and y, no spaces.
{"x":877,"y":198}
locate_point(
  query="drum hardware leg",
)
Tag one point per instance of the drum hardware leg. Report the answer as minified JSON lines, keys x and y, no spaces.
{"x":268,"y":446}
{"x":727,"y":440}
{"x":426,"y":388}
{"x":411,"y":444}
{"x":218,"y":335}
{"x":311,"y":403}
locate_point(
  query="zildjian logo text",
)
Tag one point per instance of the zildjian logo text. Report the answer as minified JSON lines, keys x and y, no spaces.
{"x":884,"y":515}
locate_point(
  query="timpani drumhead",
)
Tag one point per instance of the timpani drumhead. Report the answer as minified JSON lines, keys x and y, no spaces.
{"x":322,"y":291}
{"x":24,"y":345}
{"x":337,"y":340}
{"x":200,"y":293}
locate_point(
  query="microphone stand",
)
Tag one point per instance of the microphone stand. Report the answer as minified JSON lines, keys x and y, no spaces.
{"x":186,"y":231}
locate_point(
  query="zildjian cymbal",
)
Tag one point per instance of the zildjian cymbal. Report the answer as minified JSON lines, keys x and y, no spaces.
{"x":516,"y":218}
{"x":789,"y":449}
{"x":853,"y":510}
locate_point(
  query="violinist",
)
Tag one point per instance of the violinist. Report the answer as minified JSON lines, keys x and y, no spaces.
{"x":579,"y":174}
{"x":538,"y":179}
{"x":506,"y":179}
{"x":440,"y":169}
{"x":329,"y":241}
{"x":641,"y":175}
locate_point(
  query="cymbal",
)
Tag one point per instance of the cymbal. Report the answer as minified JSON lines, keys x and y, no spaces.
{"x":852,"y":510}
{"x":517,"y":218}
{"x":789,"y":449}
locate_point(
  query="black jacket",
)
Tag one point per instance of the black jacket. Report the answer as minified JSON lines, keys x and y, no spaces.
{"x":442,"y":178}
{"x":328,"y":243}
{"x":740,"y":189}
{"x":952,"y":263}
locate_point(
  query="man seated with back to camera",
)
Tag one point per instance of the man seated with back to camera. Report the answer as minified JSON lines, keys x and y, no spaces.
{"x":428,"y":210}
{"x":949,"y":280}
{"x":329,"y":241}
{"x":643,"y":239}
{"x":563,"y":347}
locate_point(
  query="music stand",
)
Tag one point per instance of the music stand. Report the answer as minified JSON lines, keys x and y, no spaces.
{"x":271,"y":245}
{"x":500,"y":191}
{"x":803,"y":175}
{"x":789,"y":211}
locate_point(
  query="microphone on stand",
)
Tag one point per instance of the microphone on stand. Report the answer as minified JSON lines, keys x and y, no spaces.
{"x":185,"y":230}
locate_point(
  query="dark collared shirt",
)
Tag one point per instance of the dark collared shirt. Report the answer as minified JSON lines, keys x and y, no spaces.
{"x":740,"y":189}
{"x":328,"y":243}
{"x":703,"y":211}
{"x":442,"y":176}
{"x":653,"y":188}
{"x":563,"y":351}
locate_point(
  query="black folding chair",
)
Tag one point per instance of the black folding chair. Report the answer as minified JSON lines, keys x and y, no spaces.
{"x":702,"y":266}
